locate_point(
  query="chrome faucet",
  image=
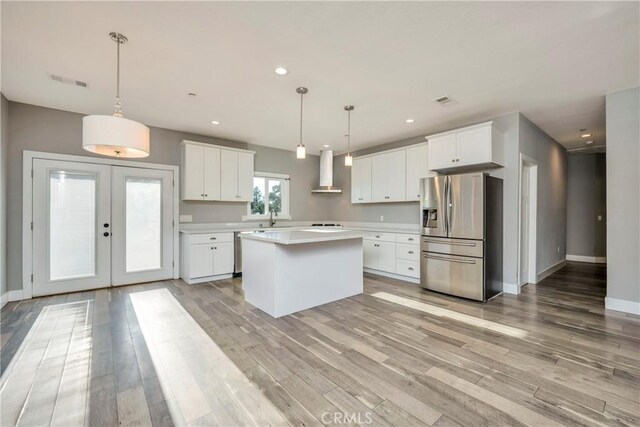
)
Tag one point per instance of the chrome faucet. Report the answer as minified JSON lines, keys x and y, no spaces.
{"x":272,"y":220}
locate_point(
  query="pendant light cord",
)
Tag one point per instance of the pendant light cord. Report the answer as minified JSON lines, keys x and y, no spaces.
{"x":349,"y":132}
{"x":301,"y":103}
{"x":117,"y":108}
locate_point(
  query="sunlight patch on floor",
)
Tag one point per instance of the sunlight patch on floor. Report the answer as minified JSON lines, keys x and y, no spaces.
{"x":47,"y":381}
{"x":201,"y":385}
{"x":454,"y":315}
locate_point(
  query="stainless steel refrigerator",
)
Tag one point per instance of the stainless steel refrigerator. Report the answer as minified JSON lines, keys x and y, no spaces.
{"x":461,"y":245}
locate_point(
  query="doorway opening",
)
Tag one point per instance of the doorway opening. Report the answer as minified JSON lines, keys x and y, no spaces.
{"x":527,"y":220}
{"x":96,"y":223}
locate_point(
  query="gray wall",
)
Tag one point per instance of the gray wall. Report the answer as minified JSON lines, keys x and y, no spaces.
{"x":4,"y":143}
{"x":43,"y":129}
{"x":586,"y":199}
{"x":623,"y":195}
{"x":552,"y":193}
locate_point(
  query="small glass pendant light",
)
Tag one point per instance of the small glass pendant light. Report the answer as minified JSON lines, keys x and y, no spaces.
{"x":301,"y":151}
{"x":348,"y":159}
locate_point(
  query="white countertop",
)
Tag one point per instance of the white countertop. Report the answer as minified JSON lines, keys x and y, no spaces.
{"x":195,"y":228}
{"x":305,"y":235}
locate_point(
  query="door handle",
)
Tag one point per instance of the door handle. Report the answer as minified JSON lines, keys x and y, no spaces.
{"x":106,"y":225}
{"x":460,"y":261}
{"x":440,"y":242}
{"x":105,"y":234}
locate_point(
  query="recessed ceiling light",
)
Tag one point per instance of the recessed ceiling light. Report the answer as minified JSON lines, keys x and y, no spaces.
{"x":215,"y":122}
{"x":281,"y":71}
{"x":326,"y":145}
{"x":586,"y":135}
{"x":409,"y":121}
{"x":590,"y":142}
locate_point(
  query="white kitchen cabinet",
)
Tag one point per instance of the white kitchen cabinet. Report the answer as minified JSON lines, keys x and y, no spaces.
{"x":388,"y":177}
{"x":236,"y":176}
{"x":379,"y":255}
{"x":417,"y":168}
{"x":206,"y":256}
{"x":361,"y":180}
{"x":200,"y":172}
{"x":474,"y":147}
{"x":214,"y":173}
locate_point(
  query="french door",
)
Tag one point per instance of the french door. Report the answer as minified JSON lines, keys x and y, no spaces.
{"x":98,"y":225}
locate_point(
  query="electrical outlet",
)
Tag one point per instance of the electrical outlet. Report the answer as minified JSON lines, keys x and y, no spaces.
{"x":381,"y":218}
{"x":186,"y":218}
{"x":599,"y":217}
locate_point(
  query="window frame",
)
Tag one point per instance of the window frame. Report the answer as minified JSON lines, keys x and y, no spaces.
{"x":285,"y":213}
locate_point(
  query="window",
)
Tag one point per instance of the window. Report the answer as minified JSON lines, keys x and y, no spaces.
{"x":270,"y":194}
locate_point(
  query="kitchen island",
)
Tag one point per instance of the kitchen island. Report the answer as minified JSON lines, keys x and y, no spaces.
{"x":287,"y":271}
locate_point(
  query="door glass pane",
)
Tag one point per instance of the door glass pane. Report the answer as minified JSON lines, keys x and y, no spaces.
{"x":72,"y":225}
{"x":143,"y":224}
{"x":257,"y":202}
{"x":275,"y":196}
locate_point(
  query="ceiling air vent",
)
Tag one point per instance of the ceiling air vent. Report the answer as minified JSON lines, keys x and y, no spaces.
{"x":67,"y":80}
{"x":445,"y":100}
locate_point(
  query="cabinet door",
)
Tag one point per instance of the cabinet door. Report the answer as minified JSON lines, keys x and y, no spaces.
{"x":416,"y":170}
{"x":379,"y":178}
{"x":200,"y":260}
{"x":245,"y":177}
{"x":211,"y":173}
{"x":396,"y":176}
{"x":222,"y":258}
{"x":192,"y":172}
{"x":370,"y":249}
{"x":387,"y":256}
{"x":442,"y":152}
{"x":361,"y":180}
{"x":473,"y":146}
{"x":228,"y":175}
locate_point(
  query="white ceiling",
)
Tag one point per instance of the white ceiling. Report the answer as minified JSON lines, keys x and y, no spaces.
{"x":553,"y":61}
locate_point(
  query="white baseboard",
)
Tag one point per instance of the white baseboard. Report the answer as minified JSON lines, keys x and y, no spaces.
{"x":549,"y":271}
{"x":10,"y":296}
{"x":591,"y":259}
{"x":393,"y":276}
{"x":623,"y":305}
{"x":510,"y":288}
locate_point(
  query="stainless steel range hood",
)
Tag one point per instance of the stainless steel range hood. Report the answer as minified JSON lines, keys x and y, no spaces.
{"x":326,"y":174}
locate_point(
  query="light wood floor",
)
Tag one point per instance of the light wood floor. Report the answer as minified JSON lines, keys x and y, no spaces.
{"x":174,"y":354}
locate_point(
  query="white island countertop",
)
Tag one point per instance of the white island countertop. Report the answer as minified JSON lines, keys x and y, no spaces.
{"x":307,"y":235}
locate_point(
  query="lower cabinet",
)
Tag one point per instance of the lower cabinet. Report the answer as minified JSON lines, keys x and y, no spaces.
{"x":206,"y":257}
{"x":393,"y":253}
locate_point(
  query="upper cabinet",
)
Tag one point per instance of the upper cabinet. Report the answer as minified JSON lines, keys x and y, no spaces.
{"x":216,"y":173}
{"x":474,"y":147}
{"x":389,"y":176}
{"x":361,"y":180}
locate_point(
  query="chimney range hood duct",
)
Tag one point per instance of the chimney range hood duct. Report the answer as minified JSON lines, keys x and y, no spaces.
{"x":326,"y":174}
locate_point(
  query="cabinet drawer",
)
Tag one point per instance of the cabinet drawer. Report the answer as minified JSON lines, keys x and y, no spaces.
{"x":210,"y":238}
{"x":381,"y":237}
{"x":407,"y":252}
{"x":411,"y":239}
{"x":408,"y":268}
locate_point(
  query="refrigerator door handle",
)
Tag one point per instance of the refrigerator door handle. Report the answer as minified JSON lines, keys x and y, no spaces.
{"x":445,"y":196}
{"x":460,"y":261}
{"x":449,"y":207}
{"x":449,"y":242}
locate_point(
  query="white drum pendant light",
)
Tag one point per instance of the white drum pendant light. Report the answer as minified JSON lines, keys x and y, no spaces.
{"x":348,"y":160}
{"x":301,"y":151}
{"x":114,"y":135}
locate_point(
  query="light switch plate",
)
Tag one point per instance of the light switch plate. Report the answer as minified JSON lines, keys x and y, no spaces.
{"x":186,"y":218}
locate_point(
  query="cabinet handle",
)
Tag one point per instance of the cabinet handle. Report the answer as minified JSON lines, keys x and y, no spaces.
{"x":215,"y":247}
{"x":410,"y":239}
{"x":206,"y":195}
{"x":212,"y":238}
{"x":377,"y":236}
{"x":211,"y":247}
{"x":410,"y":268}
{"x":453,"y":160}
{"x":457,"y":160}
{"x":410,"y":252}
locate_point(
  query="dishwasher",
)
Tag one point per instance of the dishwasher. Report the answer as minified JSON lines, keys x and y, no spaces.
{"x":237,"y":254}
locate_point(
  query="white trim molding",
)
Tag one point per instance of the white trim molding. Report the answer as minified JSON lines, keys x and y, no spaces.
{"x":591,"y":259}
{"x":4,"y":298}
{"x":10,"y":296}
{"x":623,"y":305}
{"x":549,"y":271}
{"x":510,"y":288}
{"x":392,"y":275}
